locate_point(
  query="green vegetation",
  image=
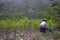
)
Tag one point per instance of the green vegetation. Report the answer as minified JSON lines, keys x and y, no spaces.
{"x":18,"y":24}
{"x":27,"y":16}
{"x":16,"y":20}
{"x":23,"y":24}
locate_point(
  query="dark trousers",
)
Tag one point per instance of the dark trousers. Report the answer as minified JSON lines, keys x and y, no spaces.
{"x":43,"y":29}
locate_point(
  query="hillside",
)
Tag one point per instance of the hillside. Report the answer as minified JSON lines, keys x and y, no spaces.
{"x":26,"y":8}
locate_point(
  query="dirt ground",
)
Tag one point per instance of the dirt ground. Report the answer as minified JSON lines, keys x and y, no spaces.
{"x":39,"y":36}
{"x":29,"y":36}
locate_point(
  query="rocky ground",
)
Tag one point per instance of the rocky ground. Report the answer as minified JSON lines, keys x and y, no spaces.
{"x":29,"y":36}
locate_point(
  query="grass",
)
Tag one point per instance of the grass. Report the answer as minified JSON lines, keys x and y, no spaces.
{"x":23,"y":24}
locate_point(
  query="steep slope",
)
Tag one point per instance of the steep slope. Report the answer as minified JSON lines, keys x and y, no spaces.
{"x":27,"y":7}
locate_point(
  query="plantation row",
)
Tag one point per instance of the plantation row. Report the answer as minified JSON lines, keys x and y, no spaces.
{"x":23,"y":24}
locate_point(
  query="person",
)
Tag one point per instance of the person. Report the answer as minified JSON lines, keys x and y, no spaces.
{"x":43,"y":26}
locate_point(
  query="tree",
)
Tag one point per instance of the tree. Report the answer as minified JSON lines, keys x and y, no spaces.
{"x":54,"y":10}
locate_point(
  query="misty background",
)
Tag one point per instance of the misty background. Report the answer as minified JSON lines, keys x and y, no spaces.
{"x":24,"y":8}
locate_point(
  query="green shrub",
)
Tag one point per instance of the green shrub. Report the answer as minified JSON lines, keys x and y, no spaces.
{"x":51,"y":23}
{"x":23,"y":24}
